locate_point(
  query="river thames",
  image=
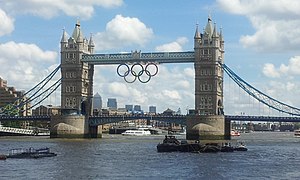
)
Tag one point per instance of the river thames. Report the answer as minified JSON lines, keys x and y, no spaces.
{"x":270,"y":155}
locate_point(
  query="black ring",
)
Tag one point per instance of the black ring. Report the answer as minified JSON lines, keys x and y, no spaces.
{"x":151,"y":63}
{"x":148,"y":74}
{"x":126,"y":72}
{"x":140,"y":72}
{"x":133,"y":76}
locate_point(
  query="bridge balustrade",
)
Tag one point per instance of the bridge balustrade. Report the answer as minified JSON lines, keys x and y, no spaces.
{"x":106,"y":119}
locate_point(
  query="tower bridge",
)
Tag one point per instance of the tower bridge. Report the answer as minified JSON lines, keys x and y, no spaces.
{"x":209,"y":122}
{"x":77,"y":69}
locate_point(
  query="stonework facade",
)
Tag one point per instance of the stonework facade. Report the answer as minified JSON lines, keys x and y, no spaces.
{"x":209,"y":55}
{"x":208,"y":122}
{"x":77,"y":77}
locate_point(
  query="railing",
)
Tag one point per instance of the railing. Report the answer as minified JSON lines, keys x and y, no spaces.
{"x":100,"y":120}
{"x":25,"y":118}
{"x":262,"y":118}
{"x":17,"y":131}
{"x":159,"y":57}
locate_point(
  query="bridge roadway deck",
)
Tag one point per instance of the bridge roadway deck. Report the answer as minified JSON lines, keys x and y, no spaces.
{"x":158,"y":57}
{"x":178,"y":119}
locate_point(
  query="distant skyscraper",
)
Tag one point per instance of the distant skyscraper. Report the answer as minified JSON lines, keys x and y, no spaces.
{"x":129,"y":108}
{"x":112,"y":103}
{"x":97,"y":101}
{"x":137,"y":108}
{"x":152,"y":109}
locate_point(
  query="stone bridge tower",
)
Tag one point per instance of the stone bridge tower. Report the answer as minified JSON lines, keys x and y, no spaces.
{"x":208,"y":122}
{"x":77,"y":77}
{"x":76,"y":86}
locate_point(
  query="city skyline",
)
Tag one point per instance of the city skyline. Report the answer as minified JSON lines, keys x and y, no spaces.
{"x":261,"y":41}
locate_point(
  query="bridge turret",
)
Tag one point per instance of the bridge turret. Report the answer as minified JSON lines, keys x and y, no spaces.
{"x":197,"y":38}
{"x":91,"y":45}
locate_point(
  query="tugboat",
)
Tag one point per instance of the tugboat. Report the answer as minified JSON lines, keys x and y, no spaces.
{"x":30,"y":153}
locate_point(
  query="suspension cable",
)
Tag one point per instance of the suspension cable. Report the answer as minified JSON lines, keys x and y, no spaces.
{"x":260,"y":96}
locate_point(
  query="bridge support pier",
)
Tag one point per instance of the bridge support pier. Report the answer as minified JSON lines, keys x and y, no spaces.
{"x":73,"y":126}
{"x":207,"y":127}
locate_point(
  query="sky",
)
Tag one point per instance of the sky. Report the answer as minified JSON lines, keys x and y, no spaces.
{"x":262,"y":41}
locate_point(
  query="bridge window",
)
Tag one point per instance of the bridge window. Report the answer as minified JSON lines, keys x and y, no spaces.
{"x":74,"y":101}
{"x":67,"y":102}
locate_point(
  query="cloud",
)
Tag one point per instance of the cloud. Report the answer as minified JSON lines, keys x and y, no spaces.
{"x":175,"y":46}
{"x":121,"y":32}
{"x":117,"y":88}
{"x":7,"y":23}
{"x":25,"y":64}
{"x":275,"y":22}
{"x":270,"y":71}
{"x":291,"y":69}
{"x":51,"y":8}
{"x":173,"y":95}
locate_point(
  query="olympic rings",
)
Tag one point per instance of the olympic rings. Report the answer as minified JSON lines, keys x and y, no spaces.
{"x":137,"y":71}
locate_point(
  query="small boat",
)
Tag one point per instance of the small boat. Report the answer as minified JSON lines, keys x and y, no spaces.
{"x":138,"y":132}
{"x":235,"y":133}
{"x":297,"y":133}
{"x":30,"y":153}
{"x":241,"y":147}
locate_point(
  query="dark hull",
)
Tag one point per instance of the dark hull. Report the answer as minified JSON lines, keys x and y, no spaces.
{"x":167,"y":147}
{"x":240,"y":149}
{"x":31,"y":155}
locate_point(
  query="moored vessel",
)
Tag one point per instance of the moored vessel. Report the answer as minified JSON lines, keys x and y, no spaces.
{"x":297,"y":133}
{"x":235,"y":133}
{"x":30,"y":153}
{"x":138,"y":132}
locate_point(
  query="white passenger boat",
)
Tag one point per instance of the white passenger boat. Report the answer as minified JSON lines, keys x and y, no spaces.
{"x":138,"y":132}
{"x":297,"y":133}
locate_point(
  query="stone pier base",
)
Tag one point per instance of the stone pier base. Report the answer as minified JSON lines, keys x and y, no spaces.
{"x":207,"y":127}
{"x":73,"y":126}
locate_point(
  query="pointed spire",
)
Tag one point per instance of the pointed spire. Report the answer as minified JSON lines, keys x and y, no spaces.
{"x":209,"y":28}
{"x":197,"y":34}
{"x":91,"y":42}
{"x":221,"y":34}
{"x":64,"y":38}
{"x":215,"y":34}
{"x":79,"y":37}
{"x":76,"y":30}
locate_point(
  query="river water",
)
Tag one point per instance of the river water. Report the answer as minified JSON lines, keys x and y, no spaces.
{"x":270,"y":155}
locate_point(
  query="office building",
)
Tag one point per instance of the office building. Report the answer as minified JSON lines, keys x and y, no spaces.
{"x":112,"y":103}
{"x":97,"y":102}
{"x":152,"y":109}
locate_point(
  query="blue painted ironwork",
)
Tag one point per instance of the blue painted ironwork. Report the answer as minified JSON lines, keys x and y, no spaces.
{"x":33,"y":96}
{"x":181,"y":119}
{"x":178,"y":119}
{"x":260,"y":96}
{"x":130,"y":58}
{"x":262,"y":118}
